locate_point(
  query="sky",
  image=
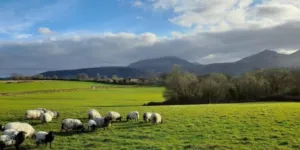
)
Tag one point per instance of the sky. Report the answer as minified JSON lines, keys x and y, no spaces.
{"x":37,"y":36}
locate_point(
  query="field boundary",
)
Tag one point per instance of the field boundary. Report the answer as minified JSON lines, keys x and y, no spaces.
{"x":60,"y":90}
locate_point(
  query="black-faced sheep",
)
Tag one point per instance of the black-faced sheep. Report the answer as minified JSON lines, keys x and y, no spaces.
{"x":103,"y":122}
{"x":54,"y":114}
{"x":46,"y":137}
{"x":46,"y":117}
{"x":12,"y":140}
{"x":156,"y":118}
{"x":72,"y":124}
{"x":147,"y":116}
{"x":134,"y":115}
{"x":92,"y":125}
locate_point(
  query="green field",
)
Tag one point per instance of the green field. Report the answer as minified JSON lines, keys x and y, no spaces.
{"x":230,"y":126}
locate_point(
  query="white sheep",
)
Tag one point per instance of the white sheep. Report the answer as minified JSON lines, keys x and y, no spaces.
{"x":20,"y":126}
{"x":54,"y":114}
{"x":156,"y":118}
{"x":46,"y":137}
{"x":46,"y":117}
{"x":103,"y":122}
{"x":92,"y":113}
{"x":33,"y":114}
{"x":10,"y":132}
{"x":72,"y":124}
{"x":92,"y":124}
{"x":134,"y":115}
{"x":12,"y":140}
{"x":114,"y":115}
{"x":147,"y":116}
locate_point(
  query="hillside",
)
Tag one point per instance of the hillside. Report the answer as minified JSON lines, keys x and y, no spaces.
{"x":103,"y":71}
{"x":162,"y":64}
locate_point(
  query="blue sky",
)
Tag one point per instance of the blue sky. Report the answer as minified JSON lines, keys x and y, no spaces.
{"x":77,"y":15}
{"x":41,"y":35}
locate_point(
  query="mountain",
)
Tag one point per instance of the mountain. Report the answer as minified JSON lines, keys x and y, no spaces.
{"x":103,"y":71}
{"x":263,"y":59}
{"x":163,"y":64}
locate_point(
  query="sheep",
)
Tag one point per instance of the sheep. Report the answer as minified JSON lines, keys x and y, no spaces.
{"x":92,"y":113}
{"x":114,"y":115}
{"x":92,"y":124}
{"x":11,"y":132}
{"x":156,"y":118}
{"x":46,"y":117}
{"x":47,"y":137}
{"x":72,"y":124}
{"x":33,"y":114}
{"x":20,"y":126}
{"x":54,"y":114}
{"x":147,"y":116}
{"x":134,"y":115}
{"x":103,"y":122}
{"x":12,"y":140}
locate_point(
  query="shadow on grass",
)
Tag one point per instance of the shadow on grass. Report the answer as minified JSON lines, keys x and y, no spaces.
{"x":70,"y":133}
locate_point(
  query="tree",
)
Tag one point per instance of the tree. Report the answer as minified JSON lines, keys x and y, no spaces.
{"x":16,"y":76}
{"x":82,"y":76}
{"x":55,"y":77}
{"x":181,"y":86}
{"x":39,"y":76}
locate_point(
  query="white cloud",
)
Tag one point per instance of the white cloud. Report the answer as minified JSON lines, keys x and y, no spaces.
{"x":286,"y":51}
{"x":22,"y":36}
{"x":210,"y":56}
{"x":44,"y":31}
{"x":223,"y":15}
{"x":138,"y":3}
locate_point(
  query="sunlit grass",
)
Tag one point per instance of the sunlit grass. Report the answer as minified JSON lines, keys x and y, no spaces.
{"x":229,"y":126}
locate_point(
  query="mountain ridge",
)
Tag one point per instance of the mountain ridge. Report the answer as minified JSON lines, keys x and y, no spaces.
{"x":264,"y":59}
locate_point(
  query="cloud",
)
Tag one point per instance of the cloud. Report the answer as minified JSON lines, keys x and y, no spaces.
{"x":70,"y":51}
{"x":137,"y":3}
{"x":22,"y":36}
{"x":45,"y":31}
{"x":286,"y":51}
{"x":221,"y":15}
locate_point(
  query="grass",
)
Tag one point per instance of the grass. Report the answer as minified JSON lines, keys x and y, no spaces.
{"x":228,"y":126}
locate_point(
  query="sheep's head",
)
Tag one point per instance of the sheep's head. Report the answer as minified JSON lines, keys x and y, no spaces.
{"x":107,"y":120}
{"x":20,"y":137}
{"x":50,"y":136}
{"x":127,"y":118}
{"x":58,"y":115}
{"x":80,"y":127}
{"x":1,"y":127}
{"x":93,"y":127}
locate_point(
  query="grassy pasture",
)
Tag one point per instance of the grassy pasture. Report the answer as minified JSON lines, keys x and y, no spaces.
{"x":229,"y":126}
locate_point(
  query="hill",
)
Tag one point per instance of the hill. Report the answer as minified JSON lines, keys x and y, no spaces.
{"x":264,"y":59}
{"x":103,"y":71}
{"x":163,"y":64}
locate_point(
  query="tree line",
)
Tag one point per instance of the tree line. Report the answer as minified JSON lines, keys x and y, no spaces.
{"x":273,"y":84}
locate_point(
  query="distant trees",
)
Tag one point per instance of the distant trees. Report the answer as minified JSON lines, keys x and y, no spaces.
{"x":82,"y":76}
{"x":185,"y":88}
